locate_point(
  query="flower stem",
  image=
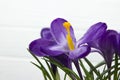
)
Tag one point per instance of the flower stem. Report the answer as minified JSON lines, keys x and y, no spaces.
{"x":116,"y":67}
{"x":78,"y":69}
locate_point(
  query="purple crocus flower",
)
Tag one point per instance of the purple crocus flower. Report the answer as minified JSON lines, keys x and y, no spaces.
{"x":36,"y":47}
{"x":39,"y":47}
{"x":105,"y":43}
{"x":118,"y":45}
{"x":94,"y":33}
{"x":59,"y":42}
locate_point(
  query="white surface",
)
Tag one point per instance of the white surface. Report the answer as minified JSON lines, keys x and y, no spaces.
{"x":18,"y":69}
{"x":22,"y":20}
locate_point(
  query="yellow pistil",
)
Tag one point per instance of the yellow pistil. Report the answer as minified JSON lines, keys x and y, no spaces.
{"x":68,"y":36}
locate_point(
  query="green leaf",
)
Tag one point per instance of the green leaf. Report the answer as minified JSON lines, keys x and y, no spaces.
{"x":98,"y":65}
{"x":116,"y":67}
{"x":54,"y":78}
{"x":45,"y":77}
{"x":65,"y":76}
{"x":66,"y":70}
{"x":88,"y":75}
{"x":69,"y":71}
{"x":34,"y":56}
{"x":93,"y":68}
{"x":111,"y":73}
{"x":41,"y":65}
{"x":57,"y":76}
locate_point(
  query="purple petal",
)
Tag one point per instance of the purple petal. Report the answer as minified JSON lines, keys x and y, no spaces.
{"x":59,"y":32}
{"x":119,"y":45}
{"x":34,"y":47}
{"x":54,"y":50}
{"x":93,"y":33}
{"x":107,"y":45}
{"x":80,"y":52}
{"x":65,"y":60}
{"x":108,"y":41}
{"x":46,"y":34}
{"x":41,"y":47}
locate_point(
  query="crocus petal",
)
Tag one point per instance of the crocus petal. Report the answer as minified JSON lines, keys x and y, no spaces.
{"x":107,"y":45}
{"x":119,"y":45}
{"x":34,"y":47}
{"x":93,"y":33}
{"x":41,"y":47}
{"x":59,"y":32}
{"x":57,"y":48}
{"x":80,"y":52}
{"x":54,"y":50}
{"x":46,"y":34}
{"x":64,"y":59}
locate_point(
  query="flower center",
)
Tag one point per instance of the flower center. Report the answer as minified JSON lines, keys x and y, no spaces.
{"x":68,"y":36}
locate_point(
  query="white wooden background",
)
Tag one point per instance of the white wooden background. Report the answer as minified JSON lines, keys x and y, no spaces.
{"x":22,"y":20}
